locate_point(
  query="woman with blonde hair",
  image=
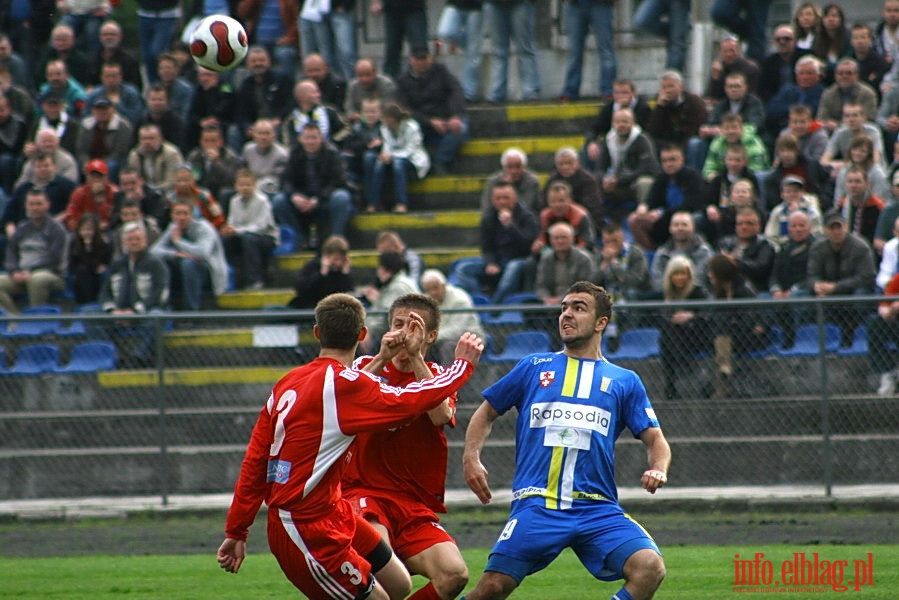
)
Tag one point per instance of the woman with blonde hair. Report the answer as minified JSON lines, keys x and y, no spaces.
{"x":403,"y":155}
{"x":683,"y":333}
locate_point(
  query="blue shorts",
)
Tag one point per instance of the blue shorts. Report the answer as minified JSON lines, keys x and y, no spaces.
{"x":601,"y":534}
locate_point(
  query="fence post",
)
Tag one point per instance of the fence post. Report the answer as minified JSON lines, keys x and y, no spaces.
{"x":158,"y":326}
{"x":825,"y":402}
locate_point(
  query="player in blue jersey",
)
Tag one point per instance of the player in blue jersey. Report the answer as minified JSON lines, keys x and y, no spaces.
{"x":572,"y":406}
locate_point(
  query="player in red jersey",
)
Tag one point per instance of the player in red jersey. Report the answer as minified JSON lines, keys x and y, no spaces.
{"x":396,"y":478}
{"x":298,"y":452}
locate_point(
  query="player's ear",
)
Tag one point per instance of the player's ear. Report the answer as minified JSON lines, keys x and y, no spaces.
{"x":601,"y":324}
{"x":316,"y":332}
{"x":363,"y":333}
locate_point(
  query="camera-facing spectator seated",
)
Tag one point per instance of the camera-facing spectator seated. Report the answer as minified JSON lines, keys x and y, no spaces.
{"x":734,"y":131}
{"x":832,"y":38}
{"x":250,"y":235}
{"x":308,"y":108}
{"x":314,"y":189}
{"x":789,"y":160}
{"x":124,"y":96}
{"x":806,"y":91}
{"x":561,"y":264}
{"x":111,"y":51}
{"x":152,"y":202}
{"x":683,"y":241}
{"x":450,"y":298}
{"x":332,"y":87}
{"x":129,"y":211}
{"x":621,"y":268}
{"x":159,"y":113}
{"x":872,"y":66}
{"x":739,"y":102}
{"x":837,"y":152}
{"x":211,"y":104}
{"x":683,"y":332}
{"x":751,"y":251}
{"x":154,"y":158}
{"x":717,"y":190}
{"x":624,"y":95}
{"x":12,"y":61}
{"x":265,"y":157}
{"x":563,"y":209}
{"x":193,"y":251}
{"x":435,"y":98}
{"x":730,"y":60}
{"x":627,"y":165}
{"x":888,"y":216}
{"x":842,"y":264}
{"x":363,"y":143}
{"x":719,"y":220}
{"x":12,"y":140}
{"x":777,"y":69}
{"x":61,"y":83}
{"x":36,"y":256}
{"x":793,"y":199}
{"x":94,"y":196}
{"x":322,"y":276}
{"x":861,"y":155}
{"x":214,"y":164}
{"x":676,"y":188}
{"x":811,"y":136}
{"x":266,"y":93}
{"x":106,"y":136}
{"x":54,"y":116}
{"x":367,"y":85}
{"x":847,"y":89}
{"x":860,"y":206}
{"x":47,"y":142}
{"x":89,"y":256}
{"x":44,"y":176}
{"x":402,"y":155}
{"x":678,"y":114}
{"x":137,"y":284}
{"x":514,"y":170}
{"x":180,"y":91}
{"x":584,"y":187}
{"x":388,"y":240}
{"x":789,"y":277}
{"x":200,"y":199}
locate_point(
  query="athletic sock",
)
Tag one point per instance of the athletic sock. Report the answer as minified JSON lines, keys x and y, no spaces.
{"x":426,"y":593}
{"x":622,"y":594}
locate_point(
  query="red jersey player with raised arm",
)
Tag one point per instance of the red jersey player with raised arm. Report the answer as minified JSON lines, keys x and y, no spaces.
{"x":299,"y":449}
{"x":396,"y":478}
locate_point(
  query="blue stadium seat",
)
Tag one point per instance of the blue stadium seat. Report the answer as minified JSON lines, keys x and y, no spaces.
{"x":859,"y":345}
{"x":287,"y":243}
{"x":90,"y":357}
{"x":806,"y":343}
{"x":35,"y":359}
{"x":775,"y":343}
{"x":77,"y":328}
{"x":636,"y":344}
{"x":27,"y":329}
{"x":519,"y":345}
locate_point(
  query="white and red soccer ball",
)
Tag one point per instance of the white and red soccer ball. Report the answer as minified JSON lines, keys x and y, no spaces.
{"x":218,"y":42}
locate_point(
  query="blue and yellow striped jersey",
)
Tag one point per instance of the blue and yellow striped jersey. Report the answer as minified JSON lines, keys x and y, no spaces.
{"x":570,"y":412}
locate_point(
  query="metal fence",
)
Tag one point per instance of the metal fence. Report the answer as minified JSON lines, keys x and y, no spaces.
{"x":173,"y":410}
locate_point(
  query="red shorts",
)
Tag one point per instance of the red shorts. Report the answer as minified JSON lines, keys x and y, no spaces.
{"x":324,"y":559}
{"x":412,"y":526}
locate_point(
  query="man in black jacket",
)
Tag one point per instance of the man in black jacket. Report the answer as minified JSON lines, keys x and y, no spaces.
{"x":314,"y":189}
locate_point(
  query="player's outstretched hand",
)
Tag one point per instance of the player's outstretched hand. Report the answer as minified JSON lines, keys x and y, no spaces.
{"x":391,"y":343}
{"x":231,"y":554}
{"x":653,"y":479}
{"x":470,"y":348}
{"x":476,"y":478}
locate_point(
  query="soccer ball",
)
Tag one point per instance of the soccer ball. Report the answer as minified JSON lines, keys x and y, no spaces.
{"x":218,"y":42}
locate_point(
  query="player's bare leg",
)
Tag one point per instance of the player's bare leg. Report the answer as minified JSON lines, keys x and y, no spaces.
{"x":443,"y":564}
{"x":492,"y":586}
{"x":643,"y":572}
{"x":393,"y":576}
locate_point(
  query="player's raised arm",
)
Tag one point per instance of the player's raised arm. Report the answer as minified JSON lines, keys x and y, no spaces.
{"x":469,"y":348}
{"x":479,"y":429}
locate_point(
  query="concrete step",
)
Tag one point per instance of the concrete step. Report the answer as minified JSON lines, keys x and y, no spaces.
{"x":418,"y":229}
{"x":525,"y":118}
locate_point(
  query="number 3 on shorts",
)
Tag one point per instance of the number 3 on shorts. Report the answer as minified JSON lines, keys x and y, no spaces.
{"x":347,"y":568}
{"x":508,"y":529}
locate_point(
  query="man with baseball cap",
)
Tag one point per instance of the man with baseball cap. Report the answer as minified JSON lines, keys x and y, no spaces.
{"x":94,"y":196}
{"x":106,"y":136}
{"x":793,"y":198}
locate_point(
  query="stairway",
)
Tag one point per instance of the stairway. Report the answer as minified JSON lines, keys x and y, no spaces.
{"x":444,"y":216}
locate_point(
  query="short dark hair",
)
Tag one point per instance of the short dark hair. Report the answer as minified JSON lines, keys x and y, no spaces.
{"x":392,"y":261}
{"x":420,"y":303}
{"x":600,"y":296}
{"x":340,"y":319}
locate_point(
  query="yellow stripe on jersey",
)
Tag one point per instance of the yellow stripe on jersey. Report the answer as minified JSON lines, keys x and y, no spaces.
{"x":571,"y":370}
{"x":555,"y":474}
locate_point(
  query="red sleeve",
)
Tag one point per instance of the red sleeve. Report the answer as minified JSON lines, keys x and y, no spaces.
{"x":380,"y":406}
{"x":251,"y":487}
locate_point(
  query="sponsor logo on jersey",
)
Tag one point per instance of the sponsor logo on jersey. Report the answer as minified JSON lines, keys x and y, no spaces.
{"x":278,"y":471}
{"x":538,"y":360}
{"x":546,"y":378}
{"x":565,"y":414}
{"x":349,"y":374}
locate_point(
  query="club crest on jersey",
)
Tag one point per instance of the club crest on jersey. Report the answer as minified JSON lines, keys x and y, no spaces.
{"x":546,"y":378}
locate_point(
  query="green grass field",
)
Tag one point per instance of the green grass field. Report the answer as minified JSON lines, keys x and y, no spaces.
{"x":694,"y":572}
